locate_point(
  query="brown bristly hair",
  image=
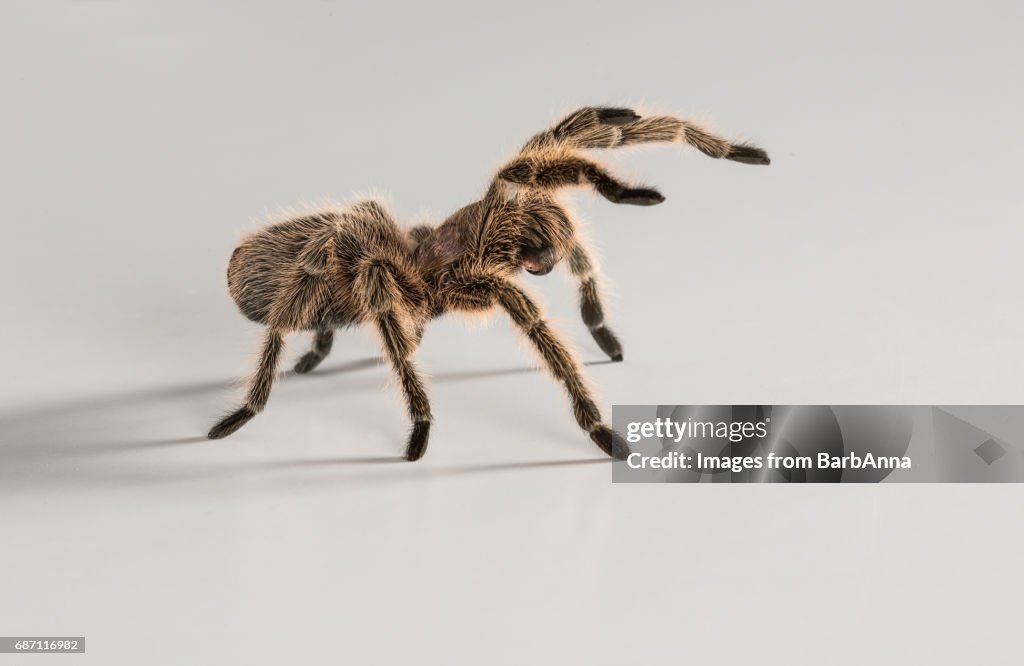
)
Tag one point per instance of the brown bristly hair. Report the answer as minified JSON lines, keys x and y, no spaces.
{"x":346,"y":265}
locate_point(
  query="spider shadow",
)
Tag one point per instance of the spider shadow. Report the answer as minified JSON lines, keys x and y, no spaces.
{"x":380,"y":470}
{"x":57,"y":438}
{"x":517,"y":466}
{"x":464,"y":375}
{"x":332,"y":462}
{"x":445,"y":471}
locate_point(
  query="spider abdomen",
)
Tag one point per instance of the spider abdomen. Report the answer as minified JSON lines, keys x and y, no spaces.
{"x":265,"y":263}
{"x":299,"y":274}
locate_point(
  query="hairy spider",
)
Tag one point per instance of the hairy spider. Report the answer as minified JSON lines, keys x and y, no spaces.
{"x":353,"y":265}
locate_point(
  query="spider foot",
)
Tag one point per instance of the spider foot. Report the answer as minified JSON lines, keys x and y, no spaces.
{"x":231,"y":423}
{"x":610,"y":442}
{"x":308,"y":362}
{"x":607,"y":341}
{"x":640,"y":196}
{"x":418,"y":441}
{"x":748,"y":154}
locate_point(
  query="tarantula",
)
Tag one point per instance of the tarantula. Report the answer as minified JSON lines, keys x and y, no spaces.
{"x":352,"y":265}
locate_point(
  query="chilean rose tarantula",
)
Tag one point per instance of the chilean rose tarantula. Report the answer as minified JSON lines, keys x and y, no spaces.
{"x":353,"y":265}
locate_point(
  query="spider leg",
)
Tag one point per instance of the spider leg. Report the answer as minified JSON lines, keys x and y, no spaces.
{"x":561,"y":363}
{"x":661,"y":129}
{"x":606,"y":127}
{"x":551,"y":234}
{"x":583,"y":267}
{"x":322,"y":342}
{"x":552,"y":170}
{"x":399,"y":337}
{"x":588,"y":127}
{"x":259,"y":388}
{"x":293,"y":305}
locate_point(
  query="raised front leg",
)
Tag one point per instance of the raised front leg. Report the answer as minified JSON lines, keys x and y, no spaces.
{"x":555,"y":170}
{"x":561,"y":363}
{"x":588,"y":127}
{"x":605,"y":127}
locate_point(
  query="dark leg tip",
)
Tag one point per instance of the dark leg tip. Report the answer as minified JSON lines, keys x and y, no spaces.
{"x":641,"y":197}
{"x":308,"y":363}
{"x":607,"y":341}
{"x":616,"y":116}
{"x":610,"y":442}
{"x":418,"y":441}
{"x":748,"y":155}
{"x":231,"y":423}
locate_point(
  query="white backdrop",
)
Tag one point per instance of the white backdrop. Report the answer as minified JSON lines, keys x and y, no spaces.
{"x":875,"y":261}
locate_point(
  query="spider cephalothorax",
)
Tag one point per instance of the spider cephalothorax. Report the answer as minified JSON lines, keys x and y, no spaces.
{"x":354,"y":265}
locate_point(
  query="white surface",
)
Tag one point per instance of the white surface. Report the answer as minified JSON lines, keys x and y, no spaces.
{"x":877,"y":260}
